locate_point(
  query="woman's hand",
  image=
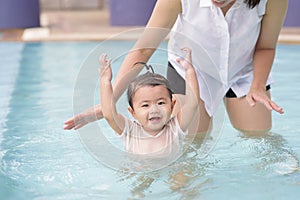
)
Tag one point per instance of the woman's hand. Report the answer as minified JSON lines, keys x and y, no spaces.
{"x":259,"y":95}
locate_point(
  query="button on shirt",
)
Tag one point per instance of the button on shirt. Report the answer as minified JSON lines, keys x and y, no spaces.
{"x":222,"y":46}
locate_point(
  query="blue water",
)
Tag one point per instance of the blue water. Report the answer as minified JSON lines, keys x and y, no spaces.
{"x":39,"y":160}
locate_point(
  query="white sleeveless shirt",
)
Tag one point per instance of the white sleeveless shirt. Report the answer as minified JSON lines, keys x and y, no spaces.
{"x":222,"y":46}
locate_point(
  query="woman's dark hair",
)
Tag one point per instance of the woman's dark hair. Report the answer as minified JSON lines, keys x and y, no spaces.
{"x":252,"y":3}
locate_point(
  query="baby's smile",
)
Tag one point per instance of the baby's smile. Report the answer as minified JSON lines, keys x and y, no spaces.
{"x":155,"y":119}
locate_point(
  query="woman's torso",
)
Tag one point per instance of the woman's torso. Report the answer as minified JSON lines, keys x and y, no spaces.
{"x":222,"y":46}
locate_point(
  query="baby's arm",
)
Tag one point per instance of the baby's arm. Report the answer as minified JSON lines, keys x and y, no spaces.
{"x":192,"y":97}
{"x":108,"y":101}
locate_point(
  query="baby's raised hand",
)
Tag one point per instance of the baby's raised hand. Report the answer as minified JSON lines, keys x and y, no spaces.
{"x":186,"y":63}
{"x":105,"y":71}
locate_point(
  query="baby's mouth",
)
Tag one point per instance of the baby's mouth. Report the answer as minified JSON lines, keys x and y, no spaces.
{"x":154,"y":119}
{"x":221,"y":1}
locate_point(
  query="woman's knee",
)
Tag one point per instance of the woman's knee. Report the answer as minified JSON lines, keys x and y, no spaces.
{"x":253,"y":121}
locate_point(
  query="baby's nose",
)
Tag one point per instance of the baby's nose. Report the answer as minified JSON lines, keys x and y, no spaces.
{"x":154,"y":108}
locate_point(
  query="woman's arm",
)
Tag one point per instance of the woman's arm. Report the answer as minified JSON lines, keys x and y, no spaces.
{"x":192,"y":96}
{"x":115,"y":120}
{"x":265,"y":52}
{"x":161,"y":21}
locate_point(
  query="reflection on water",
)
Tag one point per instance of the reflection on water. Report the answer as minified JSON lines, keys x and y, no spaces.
{"x":268,"y":155}
{"x":184,"y":179}
{"x":275,"y":154}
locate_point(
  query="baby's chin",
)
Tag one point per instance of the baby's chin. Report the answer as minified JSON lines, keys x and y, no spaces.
{"x":155,"y":129}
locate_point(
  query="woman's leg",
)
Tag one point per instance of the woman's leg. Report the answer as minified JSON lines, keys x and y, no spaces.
{"x":201,"y":120}
{"x":252,"y":121}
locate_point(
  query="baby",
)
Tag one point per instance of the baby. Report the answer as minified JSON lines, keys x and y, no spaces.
{"x":157,"y":129}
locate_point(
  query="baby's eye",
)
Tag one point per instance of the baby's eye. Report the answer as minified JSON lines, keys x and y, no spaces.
{"x":161,"y":103}
{"x":145,"y":105}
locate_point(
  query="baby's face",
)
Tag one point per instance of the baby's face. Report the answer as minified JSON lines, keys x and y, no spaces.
{"x":152,"y":107}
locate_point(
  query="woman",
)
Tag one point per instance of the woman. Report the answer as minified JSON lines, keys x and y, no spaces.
{"x":240,"y":36}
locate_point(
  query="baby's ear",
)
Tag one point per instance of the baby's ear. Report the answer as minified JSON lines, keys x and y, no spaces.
{"x":173,"y":103}
{"x":130,"y":109}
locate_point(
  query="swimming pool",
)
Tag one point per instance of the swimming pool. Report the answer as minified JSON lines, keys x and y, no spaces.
{"x":39,"y":160}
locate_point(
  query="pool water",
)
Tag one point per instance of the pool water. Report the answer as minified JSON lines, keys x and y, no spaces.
{"x":39,"y":160}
